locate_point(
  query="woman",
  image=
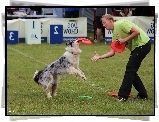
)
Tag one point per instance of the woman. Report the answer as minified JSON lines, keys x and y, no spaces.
{"x":138,"y":43}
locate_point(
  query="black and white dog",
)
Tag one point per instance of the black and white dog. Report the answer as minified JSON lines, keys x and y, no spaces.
{"x":66,"y":64}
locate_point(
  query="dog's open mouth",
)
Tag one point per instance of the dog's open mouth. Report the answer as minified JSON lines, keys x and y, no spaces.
{"x":79,"y":41}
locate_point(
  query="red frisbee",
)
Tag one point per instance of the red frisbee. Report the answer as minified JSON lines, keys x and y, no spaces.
{"x":117,"y":47}
{"x":115,"y":94}
{"x":85,"y":41}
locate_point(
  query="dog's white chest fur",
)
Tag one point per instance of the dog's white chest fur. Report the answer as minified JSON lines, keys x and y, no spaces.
{"x":73,"y":58}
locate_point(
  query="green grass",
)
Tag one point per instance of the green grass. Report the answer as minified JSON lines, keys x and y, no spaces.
{"x":25,"y":97}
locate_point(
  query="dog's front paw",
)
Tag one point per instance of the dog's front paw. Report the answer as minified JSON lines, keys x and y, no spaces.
{"x":84,"y":78}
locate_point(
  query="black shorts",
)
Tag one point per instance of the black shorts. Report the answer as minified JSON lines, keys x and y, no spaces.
{"x":99,"y":22}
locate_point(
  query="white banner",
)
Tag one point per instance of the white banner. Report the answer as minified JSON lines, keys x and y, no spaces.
{"x":145,"y":23}
{"x":13,"y":25}
{"x":33,"y":31}
{"x":44,"y":28}
{"x":45,"y":22}
{"x":72,"y":27}
{"x":21,"y":28}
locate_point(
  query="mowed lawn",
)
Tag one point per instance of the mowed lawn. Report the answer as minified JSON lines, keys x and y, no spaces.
{"x":25,"y":97}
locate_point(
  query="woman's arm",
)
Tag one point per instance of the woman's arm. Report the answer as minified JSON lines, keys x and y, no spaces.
{"x":133,"y":33}
{"x":107,"y":55}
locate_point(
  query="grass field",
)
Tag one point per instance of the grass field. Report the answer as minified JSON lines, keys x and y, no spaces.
{"x":25,"y":97}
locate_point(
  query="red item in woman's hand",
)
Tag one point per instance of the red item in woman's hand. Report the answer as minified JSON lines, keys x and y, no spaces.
{"x":117,"y":47}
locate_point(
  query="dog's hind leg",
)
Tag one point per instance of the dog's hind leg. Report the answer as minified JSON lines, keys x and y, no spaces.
{"x":49,"y":86}
{"x":48,"y":92}
{"x":54,"y":88}
{"x":54,"y":85}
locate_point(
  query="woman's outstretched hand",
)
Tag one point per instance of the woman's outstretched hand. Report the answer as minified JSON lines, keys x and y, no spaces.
{"x":95,"y":57}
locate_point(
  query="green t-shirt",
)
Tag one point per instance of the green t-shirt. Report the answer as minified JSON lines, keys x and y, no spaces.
{"x":122,"y":28}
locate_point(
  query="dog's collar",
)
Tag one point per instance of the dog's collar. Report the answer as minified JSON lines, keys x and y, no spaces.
{"x":72,"y":53}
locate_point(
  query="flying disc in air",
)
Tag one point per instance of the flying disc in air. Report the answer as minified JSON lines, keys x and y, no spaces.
{"x":117,"y":47}
{"x":115,"y":94}
{"x":85,"y":41}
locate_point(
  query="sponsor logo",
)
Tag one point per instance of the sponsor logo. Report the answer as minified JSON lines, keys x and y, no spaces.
{"x":72,"y":27}
{"x":33,"y":37}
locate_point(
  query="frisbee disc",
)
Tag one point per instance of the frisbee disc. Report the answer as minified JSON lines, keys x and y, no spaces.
{"x":117,"y":47}
{"x":88,"y":97}
{"x":115,"y":94}
{"x":85,"y":41}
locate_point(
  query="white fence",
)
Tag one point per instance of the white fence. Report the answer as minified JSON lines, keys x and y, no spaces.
{"x":72,"y":27}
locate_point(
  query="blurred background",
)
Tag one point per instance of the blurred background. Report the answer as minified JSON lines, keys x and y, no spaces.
{"x":90,"y":13}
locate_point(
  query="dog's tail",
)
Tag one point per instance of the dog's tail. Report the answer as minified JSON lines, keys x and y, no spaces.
{"x":37,"y":75}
